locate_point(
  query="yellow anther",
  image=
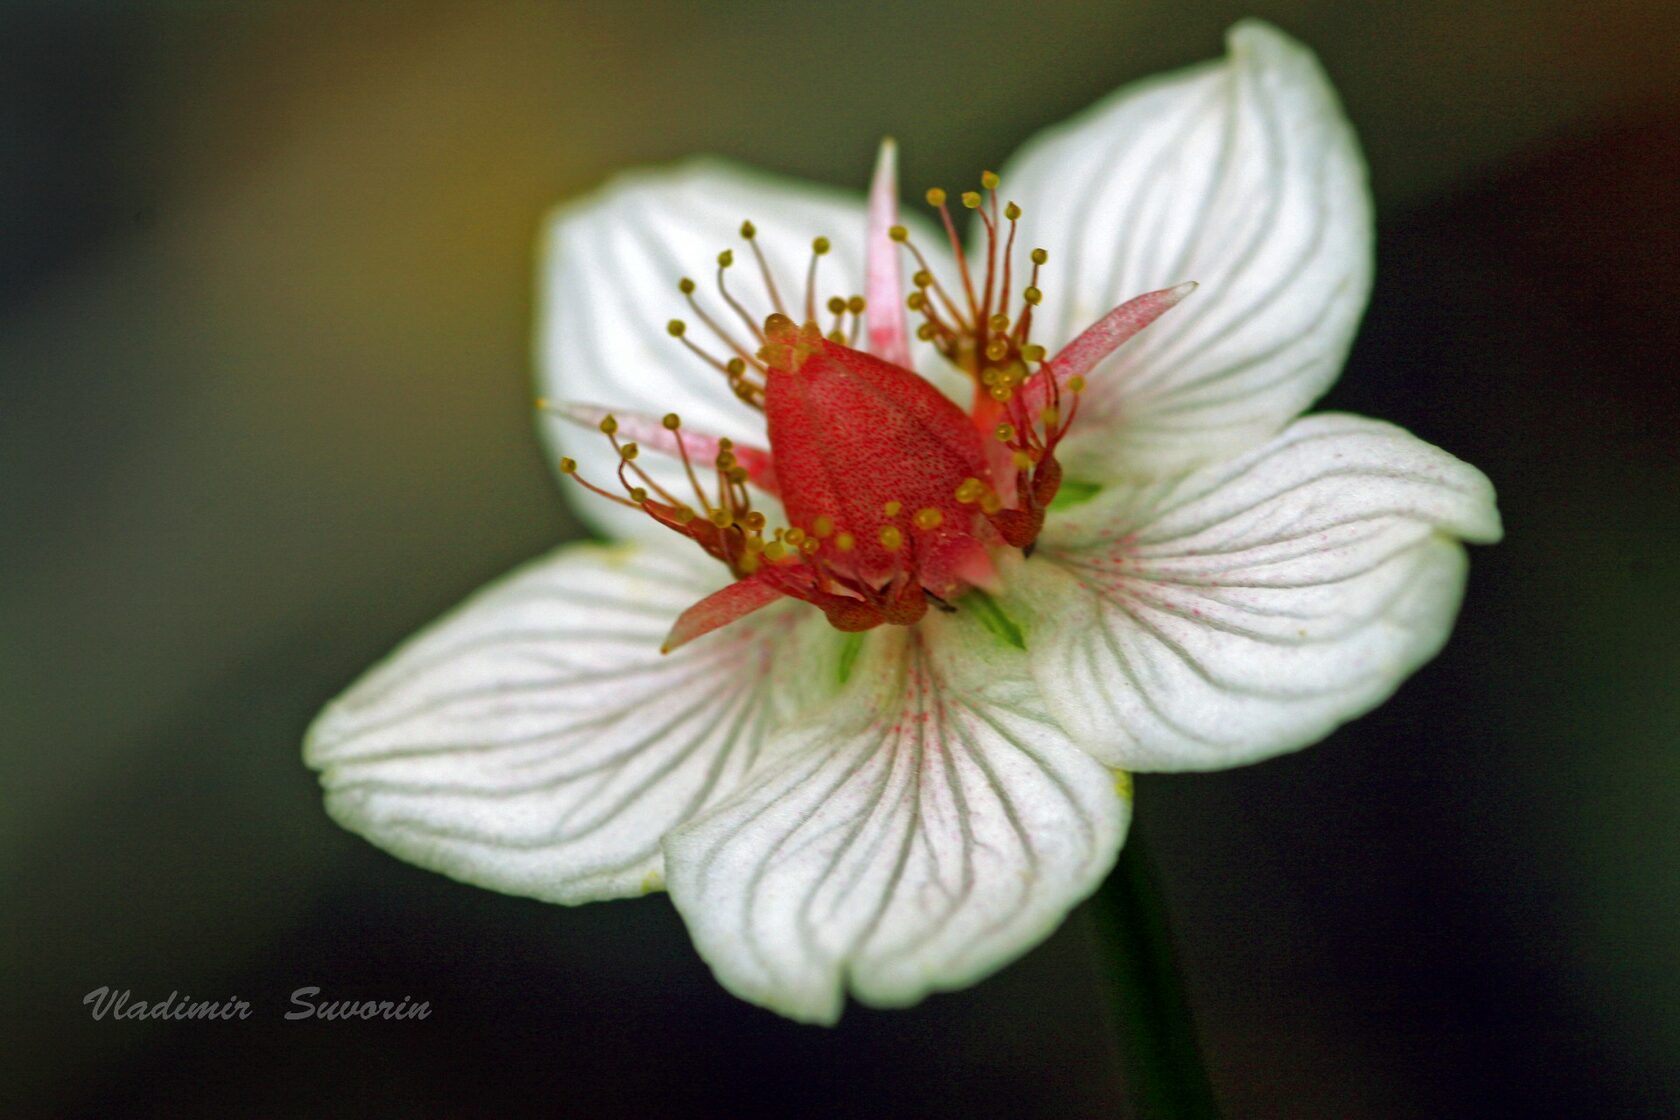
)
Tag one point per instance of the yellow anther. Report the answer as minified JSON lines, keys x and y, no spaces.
{"x":822,"y":526}
{"x":809,"y":546}
{"x":748,"y":230}
{"x":609,"y":425}
{"x":754,"y":544}
{"x":568,"y":465}
{"x":1032,"y":352}
{"x":754,"y":521}
{"x":1039,"y":256}
{"x":638,"y":494}
{"x":845,"y":542}
{"x":969,"y":491}
{"x":898,"y":233}
{"x":748,"y":563}
{"x":737,"y":475}
{"x":990,"y":503}
{"x":1076,"y":384}
{"x":1001,"y":392}
{"x":820,"y":246}
{"x":726,"y":444}
{"x":925,"y":332}
{"x":775,"y":551}
{"x":836,"y":304}
{"x":672,"y":421}
{"x":971,"y":199}
{"x":1050,"y":417}
{"x":685,"y":514}
{"x":989,"y":180}
{"x":915,"y":301}
{"x":997,"y":349}
{"x":685,"y":286}
{"x":855,"y":305}
{"x":892,"y":538}
{"x":720,"y":517}
{"x":736,"y":366}
{"x":837,"y":337}
{"x":935,"y":197}
{"x":891,"y":508}
{"x":794,"y":536}
{"x":928,"y":518}
{"x":629,"y":451}
{"x":1012,"y":212}
{"x":999,"y":323}
{"x":725,"y":460}
{"x":726,"y":258}
{"x":675,"y":328}
{"x":1033,"y":296}
{"x":1005,"y":433}
{"x":922,"y":278}
{"x":1021,"y":460}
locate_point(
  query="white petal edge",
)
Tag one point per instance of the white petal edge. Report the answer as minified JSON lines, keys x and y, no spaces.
{"x":608,"y":267}
{"x":1242,"y":175}
{"x":1249,"y":608}
{"x":533,"y":741}
{"x":927,"y":827}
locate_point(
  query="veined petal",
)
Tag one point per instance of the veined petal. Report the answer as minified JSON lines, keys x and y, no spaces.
{"x":535,"y":742}
{"x":926,"y":827}
{"x":610,"y":263}
{"x":1242,"y":175}
{"x":1248,"y":608}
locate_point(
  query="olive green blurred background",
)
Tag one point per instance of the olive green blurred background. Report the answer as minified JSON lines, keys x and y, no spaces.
{"x":265,"y":303}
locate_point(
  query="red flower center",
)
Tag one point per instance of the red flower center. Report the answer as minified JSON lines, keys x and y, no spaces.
{"x":894,"y":495}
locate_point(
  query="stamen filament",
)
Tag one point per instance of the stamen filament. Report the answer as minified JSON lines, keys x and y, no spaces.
{"x":957,"y":249}
{"x":725,"y":259}
{"x":750,"y":232}
{"x":712,"y":324}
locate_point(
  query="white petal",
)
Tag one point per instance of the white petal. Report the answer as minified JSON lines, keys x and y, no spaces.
{"x":928,"y":826}
{"x":608,"y":288}
{"x":1246,"y":609}
{"x":1242,"y":175}
{"x":534,"y":741}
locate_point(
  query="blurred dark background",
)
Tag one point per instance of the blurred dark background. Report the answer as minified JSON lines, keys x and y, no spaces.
{"x":265,"y":303}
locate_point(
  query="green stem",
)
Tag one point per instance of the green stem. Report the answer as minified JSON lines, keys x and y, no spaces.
{"x":1163,"y":1060}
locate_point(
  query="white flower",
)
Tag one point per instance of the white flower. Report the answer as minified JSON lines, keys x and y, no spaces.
{"x":1137,"y":558}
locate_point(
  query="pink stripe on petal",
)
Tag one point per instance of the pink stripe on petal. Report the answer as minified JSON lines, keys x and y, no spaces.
{"x":889,"y":332}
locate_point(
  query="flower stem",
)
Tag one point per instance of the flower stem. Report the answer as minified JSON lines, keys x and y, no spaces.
{"x":1163,"y":1060}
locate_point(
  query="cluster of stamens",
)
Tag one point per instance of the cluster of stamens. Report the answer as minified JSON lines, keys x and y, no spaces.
{"x":978,"y":336}
{"x":744,"y":369}
{"x":1027,"y":413}
{"x":720,"y":518}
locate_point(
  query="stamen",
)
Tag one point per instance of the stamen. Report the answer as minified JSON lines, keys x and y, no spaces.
{"x":936,"y":198}
{"x":1013,"y":213}
{"x":678,"y":330}
{"x":569,"y":468}
{"x":725,"y":259}
{"x":819,"y":248}
{"x":902,"y":236}
{"x":750,"y":232}
{"x":686,"y":287}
